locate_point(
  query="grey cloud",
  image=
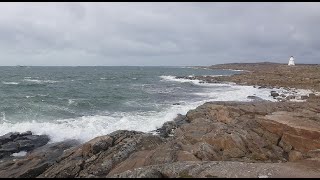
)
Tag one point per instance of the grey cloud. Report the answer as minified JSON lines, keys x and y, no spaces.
{"x":158,"y":33}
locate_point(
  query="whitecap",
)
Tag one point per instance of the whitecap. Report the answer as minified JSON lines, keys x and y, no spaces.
{"x":12,"y":83}
{"x":194,"y":81}
{"x":182,"y":80}
{"x":19,"y":154}
{"x":87,"y":127}
{"x":71,"y":101}
{"x":38,"y":81}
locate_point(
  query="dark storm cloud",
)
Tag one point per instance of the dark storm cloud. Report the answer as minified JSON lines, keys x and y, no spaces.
{"x":158,"y":33}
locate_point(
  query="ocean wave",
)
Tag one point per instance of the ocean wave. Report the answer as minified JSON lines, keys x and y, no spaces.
{"x":11,"y":83}
{"x":107,"y":78}
{"x":38,"y":81}
{"x":235,"y":92}
{"x":216,"y":75}
{"x":195,"y":81}
{"x":182,"y":80}
{"x":71,"y":101}
{"x":240,"y":70}
{"x":88,"y":127}
{"x":38,"y":95}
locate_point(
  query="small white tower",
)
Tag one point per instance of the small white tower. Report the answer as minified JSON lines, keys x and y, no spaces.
{"x":291,"y":61}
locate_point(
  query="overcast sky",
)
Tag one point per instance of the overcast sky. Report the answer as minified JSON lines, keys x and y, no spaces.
{"x":158,"y":33}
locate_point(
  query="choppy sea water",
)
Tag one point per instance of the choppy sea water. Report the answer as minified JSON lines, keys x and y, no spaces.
{"x":85,"y":102}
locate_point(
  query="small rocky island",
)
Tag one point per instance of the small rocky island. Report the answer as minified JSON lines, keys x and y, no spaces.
{"x":217,"y":139}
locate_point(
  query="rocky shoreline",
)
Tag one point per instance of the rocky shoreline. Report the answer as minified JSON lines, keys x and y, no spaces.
{"x":217,"y":139}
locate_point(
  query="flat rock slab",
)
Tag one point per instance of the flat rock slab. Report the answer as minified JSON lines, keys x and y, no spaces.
{"x":227,"y":169}
{"x":291,"y":119}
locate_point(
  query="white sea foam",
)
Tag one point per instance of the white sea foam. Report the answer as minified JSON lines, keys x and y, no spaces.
{"x":41,"y":95}
{"x":19,"y":154}
{"x":173,"y":78}
{"x":12,"y":83}
{"x":38,"y":81}
{"x":71,"y":101}
{"x":235,"y":93}
{"x":195,"y":81}
{"x":107,"y":78}
{"x":216,"y":75}
{"x":242,"y":91}
{"x":236,"y":70}
{"x":88,"y":127}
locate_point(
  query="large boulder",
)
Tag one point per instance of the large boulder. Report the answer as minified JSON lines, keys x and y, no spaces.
{"x":274,"y":94}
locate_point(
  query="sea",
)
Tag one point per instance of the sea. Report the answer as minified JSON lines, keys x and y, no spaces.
{"x":85,"y":102}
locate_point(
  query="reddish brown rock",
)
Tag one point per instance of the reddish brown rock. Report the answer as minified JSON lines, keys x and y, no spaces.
{"x":295,"y":155}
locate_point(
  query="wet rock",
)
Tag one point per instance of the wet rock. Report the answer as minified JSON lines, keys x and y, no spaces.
{"x":290,"y":97}
{"x":304,"y":97}
{"x":8,"y":137}
{"x":274,"y":94}
{"x":280,"y":99}
{"x":312,"y":95}
{"x":16,"y":142}
{"x":26,"y":133}
{"x":10,"y":147}
{"x":26,"y":145}
{"x":35,"y":162}
{"x":255,"y":98}
{"x":36,"y":140}
{"x":168,"y":128}
{"x":180,"y":119}
{"x":251,"y":97}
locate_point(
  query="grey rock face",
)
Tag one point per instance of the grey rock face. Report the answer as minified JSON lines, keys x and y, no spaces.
{"x":16,"y":142}
{"x":35,"y":162}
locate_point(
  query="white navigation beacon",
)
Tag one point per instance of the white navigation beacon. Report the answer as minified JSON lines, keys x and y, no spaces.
{"x":291,"y":61}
